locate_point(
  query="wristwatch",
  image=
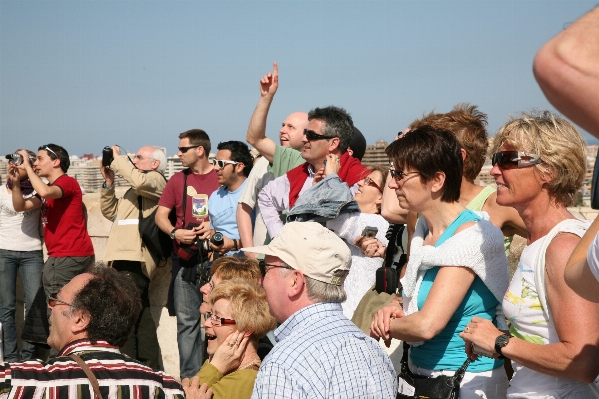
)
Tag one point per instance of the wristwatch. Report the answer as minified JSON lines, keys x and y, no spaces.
{"x":173,"y":234}
{"x":500,"y":342}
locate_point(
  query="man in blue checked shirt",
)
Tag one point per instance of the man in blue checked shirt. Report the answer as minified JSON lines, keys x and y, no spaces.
{"x":319,"y":352}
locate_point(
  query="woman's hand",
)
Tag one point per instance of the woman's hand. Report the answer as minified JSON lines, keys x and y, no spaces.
{"x":480,"y":332}
{"x":193,"y":389}
{"x":332,"y":165}
{"x":228,"y":356}
{"x":380,"y":326}
{"x":370,"y":247}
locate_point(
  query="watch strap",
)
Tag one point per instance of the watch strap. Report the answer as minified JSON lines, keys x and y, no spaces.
{"x":173,"y":234}
{"x":500,"y":342}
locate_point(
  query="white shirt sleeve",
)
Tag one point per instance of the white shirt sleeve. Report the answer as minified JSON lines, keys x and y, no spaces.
{"x":593,"y":257}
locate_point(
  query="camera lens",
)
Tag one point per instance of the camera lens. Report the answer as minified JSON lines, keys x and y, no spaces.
{"x":217,"y":239}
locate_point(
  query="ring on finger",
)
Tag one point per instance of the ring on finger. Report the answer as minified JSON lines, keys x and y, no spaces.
{"x":231,"y":344}
{"x":467,"y":329}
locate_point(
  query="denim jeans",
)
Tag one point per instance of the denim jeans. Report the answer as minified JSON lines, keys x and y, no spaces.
{"x":29,"y":265}
{"x":188,"y":299}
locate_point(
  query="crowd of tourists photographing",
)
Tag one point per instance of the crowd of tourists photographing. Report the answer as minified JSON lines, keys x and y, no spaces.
{"x":297,"y":270}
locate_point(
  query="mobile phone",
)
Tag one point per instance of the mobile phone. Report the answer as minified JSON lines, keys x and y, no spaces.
{"x":370,"y":232}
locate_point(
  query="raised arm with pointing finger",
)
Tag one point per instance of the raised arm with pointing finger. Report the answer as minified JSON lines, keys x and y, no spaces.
{"x":256,"y":134}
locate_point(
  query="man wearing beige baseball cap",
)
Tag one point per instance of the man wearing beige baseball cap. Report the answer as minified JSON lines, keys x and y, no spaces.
{"x":319,"y":352}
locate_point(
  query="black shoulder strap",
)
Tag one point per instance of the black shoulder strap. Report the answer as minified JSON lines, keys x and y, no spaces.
{"x":394,"y":235}
{"x":184,"y":205}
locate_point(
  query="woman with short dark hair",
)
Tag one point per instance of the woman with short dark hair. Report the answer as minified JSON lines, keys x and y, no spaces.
{"x":457,"y":267}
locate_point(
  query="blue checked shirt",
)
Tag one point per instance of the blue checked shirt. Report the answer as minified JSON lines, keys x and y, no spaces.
{"x":322,"y":354}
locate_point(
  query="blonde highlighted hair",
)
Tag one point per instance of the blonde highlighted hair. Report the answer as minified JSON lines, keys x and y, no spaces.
{"x":557,"y":142}
{"x":228,"y":267}
{"x":249,"y":307}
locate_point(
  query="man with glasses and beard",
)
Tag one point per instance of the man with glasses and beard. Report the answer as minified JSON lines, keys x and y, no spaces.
{"x":70,"y":249}
{"x":187,"y":192}
{"x":125,"y":250}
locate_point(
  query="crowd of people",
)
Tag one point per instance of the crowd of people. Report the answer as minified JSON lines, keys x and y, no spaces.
{"x":282,"y":260}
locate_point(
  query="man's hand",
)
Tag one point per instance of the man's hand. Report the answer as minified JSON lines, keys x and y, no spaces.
{"x":116,"y":151}
{"x":25,"y":164}
{"x":270,"y":82}
{"x":108,"y":175}
{"x":203,"y":231}
{"x":193,"y":389}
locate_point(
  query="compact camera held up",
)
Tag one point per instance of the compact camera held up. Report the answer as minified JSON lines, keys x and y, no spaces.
{"x":17,"y":158}
{"x":107,"y":156}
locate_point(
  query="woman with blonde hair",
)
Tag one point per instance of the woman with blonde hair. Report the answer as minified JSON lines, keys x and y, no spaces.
{"x":239,"y":317}
{"x":539,"y":162}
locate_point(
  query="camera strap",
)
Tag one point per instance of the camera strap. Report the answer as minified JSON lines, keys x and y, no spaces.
{"x":184,"y":205}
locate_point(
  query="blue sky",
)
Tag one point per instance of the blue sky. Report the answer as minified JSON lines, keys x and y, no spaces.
{"x":85,"y":74}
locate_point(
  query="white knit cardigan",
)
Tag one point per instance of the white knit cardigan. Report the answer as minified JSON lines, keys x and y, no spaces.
{"x":479,"y":247}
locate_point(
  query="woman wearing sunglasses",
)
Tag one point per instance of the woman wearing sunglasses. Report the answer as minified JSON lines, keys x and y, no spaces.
{"x":539,"y":162}
{"x":457,"y":267}
{"x":239,"y":317}
{"x":348,"y":226}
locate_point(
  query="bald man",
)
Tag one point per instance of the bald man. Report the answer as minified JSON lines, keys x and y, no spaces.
{"x":125,"y":250}
{"x":276,"y":160}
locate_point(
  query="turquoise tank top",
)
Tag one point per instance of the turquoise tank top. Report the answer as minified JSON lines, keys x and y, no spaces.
{"x":446,"y":350}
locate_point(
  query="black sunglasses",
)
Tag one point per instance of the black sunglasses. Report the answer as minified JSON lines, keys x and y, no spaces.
{"x":311,"y":135}
{"x":263,"y":265}
{"x":398,"y":175}
{"x":185,"y":149}
{"x":514,"y":159}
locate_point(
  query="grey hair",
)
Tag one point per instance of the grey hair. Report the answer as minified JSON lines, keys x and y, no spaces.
{"x":160,"y":156}
{"x":324,"y":292}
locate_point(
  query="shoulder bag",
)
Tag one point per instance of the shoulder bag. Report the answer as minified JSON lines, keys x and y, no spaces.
{"x":156,"y":241}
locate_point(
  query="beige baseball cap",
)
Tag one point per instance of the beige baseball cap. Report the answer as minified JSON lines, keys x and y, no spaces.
{"x":311,"y":248}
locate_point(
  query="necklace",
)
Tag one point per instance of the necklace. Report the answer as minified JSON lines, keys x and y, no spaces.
{"x":253,"y":362}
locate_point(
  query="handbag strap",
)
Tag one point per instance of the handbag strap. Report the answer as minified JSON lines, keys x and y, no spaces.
{"x":92,"y":378}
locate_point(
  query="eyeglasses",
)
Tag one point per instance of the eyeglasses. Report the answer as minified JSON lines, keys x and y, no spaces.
{"x":514,"y":159}
{"x":221,"y":163}
{"x":399,"y":175}
{"x":48,"y":149}
{"x":218,"y":321}
{"x":264,"y":270}
{"x":141,"y":157}
{"x":185,"y":149}
{"x":53,"y":301}
{"x":369,"y":182}
{"x":311,"y":135}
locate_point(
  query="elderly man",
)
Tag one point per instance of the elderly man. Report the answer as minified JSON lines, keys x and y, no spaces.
{"x":125,"y":250}
{"x":327,"y":137}
{"x":319,"y":352}
{"x":91,"y":317}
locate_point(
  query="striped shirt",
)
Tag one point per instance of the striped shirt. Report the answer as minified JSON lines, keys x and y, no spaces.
{"x":61,"y":377}
{"x":322,"y":354}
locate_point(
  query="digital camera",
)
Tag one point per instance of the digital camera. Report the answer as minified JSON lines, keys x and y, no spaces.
{"x":17,"y":158}
{"x":107,"y":157}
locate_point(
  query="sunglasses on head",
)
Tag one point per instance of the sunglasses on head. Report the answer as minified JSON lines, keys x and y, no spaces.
{"x":311,"y":135}
{"x":514,"y":159}
{"x":185,"y":149}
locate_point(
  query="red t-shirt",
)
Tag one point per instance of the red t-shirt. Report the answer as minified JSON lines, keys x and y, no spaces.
{"x":65,"y":230}
{"x":172,"y":196}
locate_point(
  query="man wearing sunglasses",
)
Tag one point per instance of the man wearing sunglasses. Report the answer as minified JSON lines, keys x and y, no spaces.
{"x":187,"y":192}
{"x":327,"y":137}
{"x":70,"y":249}
{"x":318,"y":349}
{"x":90,"y":318}
{"x":125,"y":250}
{"x":233,"y":163}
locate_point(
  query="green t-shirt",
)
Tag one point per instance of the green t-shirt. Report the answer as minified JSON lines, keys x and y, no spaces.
{"x":285,"y":159}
